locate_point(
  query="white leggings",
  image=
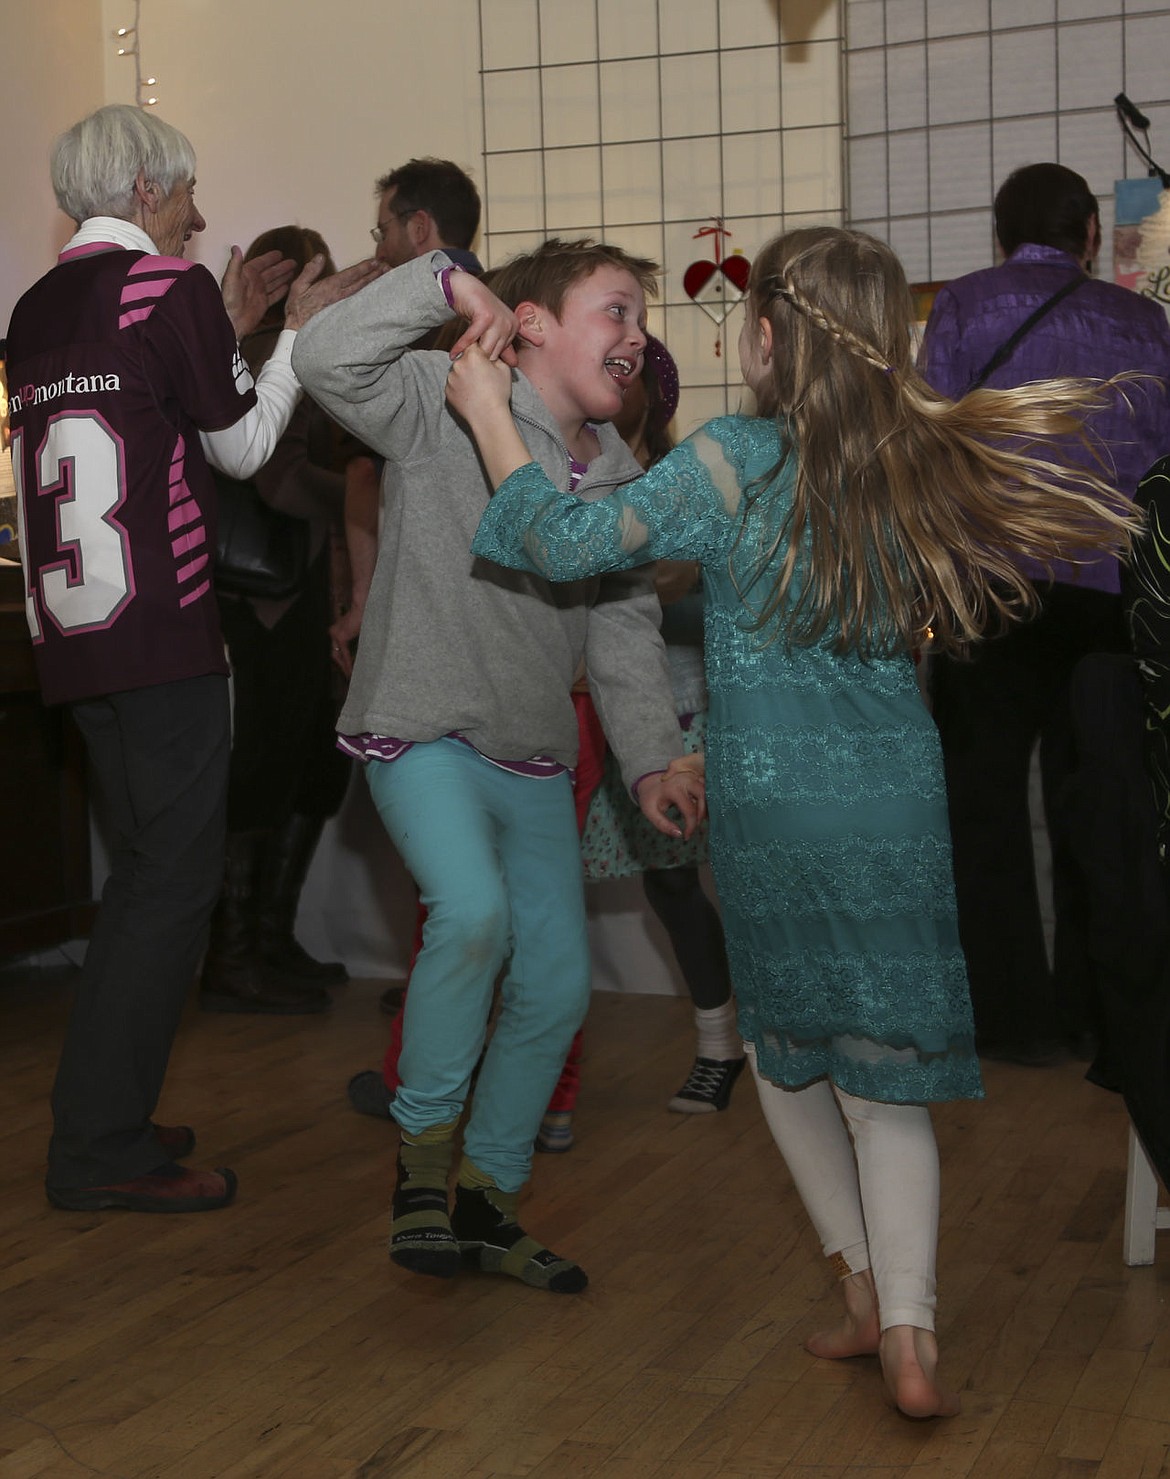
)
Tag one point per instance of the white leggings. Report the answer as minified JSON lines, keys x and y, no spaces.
{"x":867,"y":1174}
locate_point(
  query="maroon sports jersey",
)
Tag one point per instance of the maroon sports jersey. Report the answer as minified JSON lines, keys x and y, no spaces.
{"x":116,"y":361}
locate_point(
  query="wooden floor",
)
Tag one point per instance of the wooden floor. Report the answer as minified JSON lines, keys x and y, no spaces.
{"x":275,"y":1338}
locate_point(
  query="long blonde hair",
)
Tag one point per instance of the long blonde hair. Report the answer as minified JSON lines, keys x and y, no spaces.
{"x":910,"y":511}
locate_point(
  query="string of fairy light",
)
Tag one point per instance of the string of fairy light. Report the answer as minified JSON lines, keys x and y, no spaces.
{"x":127,"y":39}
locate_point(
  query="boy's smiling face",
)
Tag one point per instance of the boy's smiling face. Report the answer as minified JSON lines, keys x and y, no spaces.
{"x":589,"y":358}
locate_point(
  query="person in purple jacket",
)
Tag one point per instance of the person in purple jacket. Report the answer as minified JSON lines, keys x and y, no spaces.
{"x":1037,"y":316}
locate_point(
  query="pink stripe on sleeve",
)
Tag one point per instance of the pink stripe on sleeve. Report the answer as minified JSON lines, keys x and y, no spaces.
{"x":186,"y":512}
{"x":183,"y":544}
{"x":132,"y":292}
{"x":191,"y":568}
{"x":135,"y":316}
{"x":200,"y":590}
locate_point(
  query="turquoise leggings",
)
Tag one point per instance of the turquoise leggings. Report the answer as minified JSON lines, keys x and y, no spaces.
{"x":497,"y":862}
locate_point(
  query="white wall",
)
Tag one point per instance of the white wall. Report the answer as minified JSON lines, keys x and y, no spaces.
{"x":52,"y":76}
{"x":295,"y":109}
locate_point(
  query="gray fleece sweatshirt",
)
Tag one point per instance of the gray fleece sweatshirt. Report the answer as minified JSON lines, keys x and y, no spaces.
{"x":450,"y":642}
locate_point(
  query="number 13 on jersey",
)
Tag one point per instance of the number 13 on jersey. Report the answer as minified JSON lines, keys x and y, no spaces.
{"x":81,"y":466}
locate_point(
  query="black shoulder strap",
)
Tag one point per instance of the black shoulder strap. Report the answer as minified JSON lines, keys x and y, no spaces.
{"x":1006,"y":349}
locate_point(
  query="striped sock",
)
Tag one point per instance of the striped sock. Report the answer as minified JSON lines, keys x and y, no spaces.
{"x":420,"y":1228}
{"x":490,"y":1238}
{"x":556,"y":1131}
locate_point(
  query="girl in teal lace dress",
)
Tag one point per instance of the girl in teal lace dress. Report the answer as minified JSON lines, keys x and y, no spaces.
{"x":854,"y":513}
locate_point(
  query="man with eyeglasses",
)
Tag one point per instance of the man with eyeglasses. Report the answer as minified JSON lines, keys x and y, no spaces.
{"x":423,"y":206}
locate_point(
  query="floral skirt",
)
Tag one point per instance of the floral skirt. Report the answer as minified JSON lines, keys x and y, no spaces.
{"x":618,"y":841}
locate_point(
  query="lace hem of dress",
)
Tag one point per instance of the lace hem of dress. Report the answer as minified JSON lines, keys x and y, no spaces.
{"x":847,"y":1062}
{"x":896,"y":1026}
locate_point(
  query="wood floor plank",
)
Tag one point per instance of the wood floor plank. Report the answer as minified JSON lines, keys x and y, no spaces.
{"x":1081,"y":1436}
{"x":275,"y":1339}
{"x":1137,"y":1449}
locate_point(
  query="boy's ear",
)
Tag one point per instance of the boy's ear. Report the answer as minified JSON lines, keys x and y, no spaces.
{"x":530,"y":321}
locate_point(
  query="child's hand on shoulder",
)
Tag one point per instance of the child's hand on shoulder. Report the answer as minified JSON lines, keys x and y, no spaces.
{"x":491,"y":324}
{"x":477,"y":386}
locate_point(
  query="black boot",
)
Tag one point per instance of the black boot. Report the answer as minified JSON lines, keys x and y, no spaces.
{"x":233,"y":980}
{"x":283,"y":869}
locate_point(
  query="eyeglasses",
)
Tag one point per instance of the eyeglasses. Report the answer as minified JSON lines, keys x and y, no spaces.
{"x":379,"y":232}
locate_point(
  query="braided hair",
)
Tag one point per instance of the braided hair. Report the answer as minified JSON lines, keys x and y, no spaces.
{"x":784,"y":287}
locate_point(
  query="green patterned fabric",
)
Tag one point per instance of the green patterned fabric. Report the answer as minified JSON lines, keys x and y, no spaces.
{"x":828,"y":835}
{"x":618,"y":841}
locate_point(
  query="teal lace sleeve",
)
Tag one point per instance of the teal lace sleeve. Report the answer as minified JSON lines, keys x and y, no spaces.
{"x":682,"y":509}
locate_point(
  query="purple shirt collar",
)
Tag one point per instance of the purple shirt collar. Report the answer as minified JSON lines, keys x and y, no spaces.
{"x":1032,"y":251}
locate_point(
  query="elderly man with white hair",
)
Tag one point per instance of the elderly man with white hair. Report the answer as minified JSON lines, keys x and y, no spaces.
{"x":127,"y":382}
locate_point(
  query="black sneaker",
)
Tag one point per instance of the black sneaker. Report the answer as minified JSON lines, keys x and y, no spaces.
{"x":708,"y":1086}
{"x":368,"y":1094}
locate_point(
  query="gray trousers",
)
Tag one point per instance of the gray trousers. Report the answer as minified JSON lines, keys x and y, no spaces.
{"x":159,"y":758}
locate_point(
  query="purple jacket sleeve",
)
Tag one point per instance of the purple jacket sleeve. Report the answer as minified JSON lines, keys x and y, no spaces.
{"x":941,"y":360}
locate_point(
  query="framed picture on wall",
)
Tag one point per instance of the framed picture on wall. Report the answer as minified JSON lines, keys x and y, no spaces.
{"x":924,"y":294}
{"x":1141,"y":238}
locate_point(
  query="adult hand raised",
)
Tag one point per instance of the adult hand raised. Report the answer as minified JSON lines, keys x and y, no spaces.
{"x":251,"y":288}
{"x":311,"y":292}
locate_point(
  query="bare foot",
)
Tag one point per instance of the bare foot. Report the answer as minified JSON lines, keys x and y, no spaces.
{"x":857,"y":1334}
{"x":909,"y":1360}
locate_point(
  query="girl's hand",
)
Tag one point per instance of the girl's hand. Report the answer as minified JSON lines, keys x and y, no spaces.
{"x":680,"y":790}
{"x":479,"y":388}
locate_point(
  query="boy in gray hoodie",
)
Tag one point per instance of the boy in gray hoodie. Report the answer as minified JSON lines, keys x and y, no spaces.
{"x":460,"y":703}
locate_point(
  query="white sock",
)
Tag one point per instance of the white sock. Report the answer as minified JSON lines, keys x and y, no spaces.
{"x":847,"y":1154}
{"x":718,"y":1034}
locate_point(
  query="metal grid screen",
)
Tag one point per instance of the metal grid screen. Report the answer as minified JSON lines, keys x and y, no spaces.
{"x":643,"y":122}
{"x":946,"y":97}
